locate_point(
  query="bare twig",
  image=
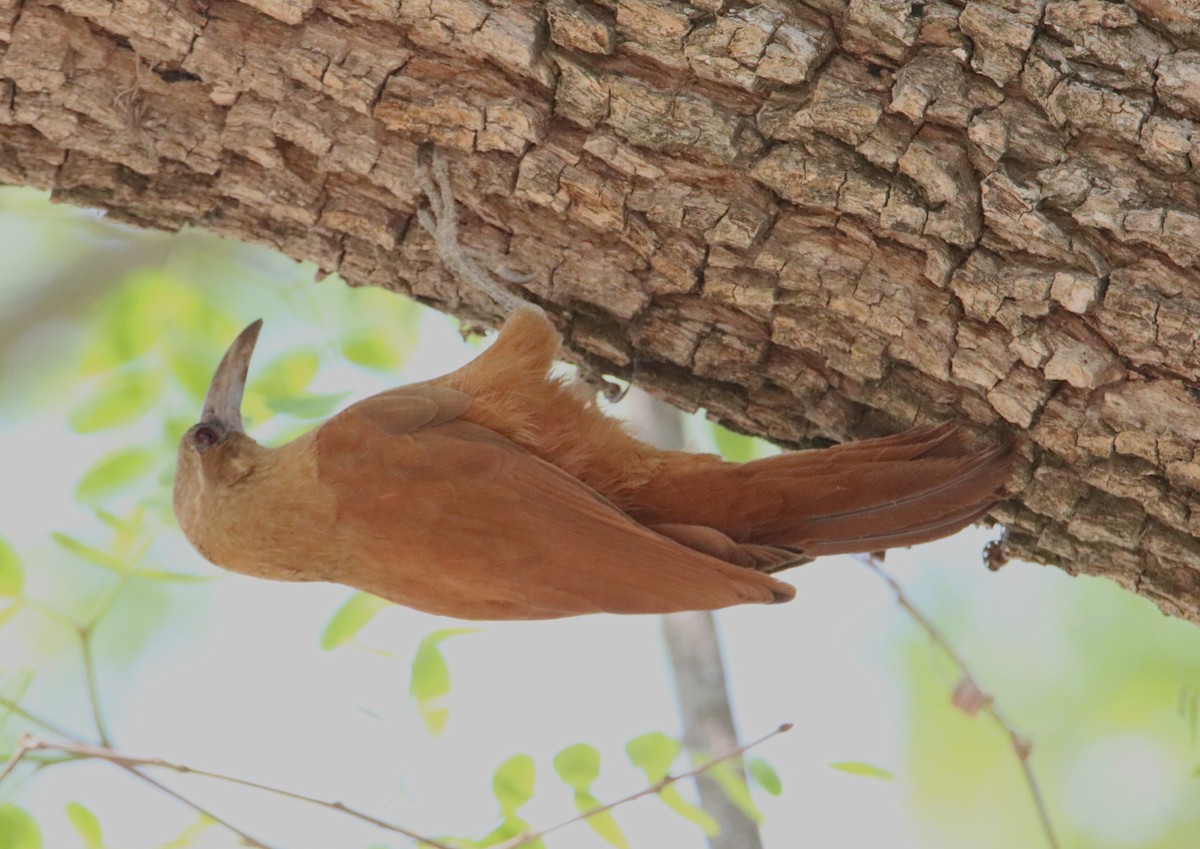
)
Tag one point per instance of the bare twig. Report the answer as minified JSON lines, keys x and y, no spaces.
{"x":24,"y":750}
{"x":57,"y":730}
{"x":30,"y":744}
{"x":248,"y":839}
{"x":93,"y":685}
{"x":24,"y":747}
{"x":440,"y":220}
{"x":1021,"y":746}
{"x":130,"y":763}
{"x":656,"y":787}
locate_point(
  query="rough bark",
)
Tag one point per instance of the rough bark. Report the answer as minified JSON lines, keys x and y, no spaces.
{"x":817,"y":220}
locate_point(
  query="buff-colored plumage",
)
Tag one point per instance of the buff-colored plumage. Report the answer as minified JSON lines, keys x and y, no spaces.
{"x":496,"y":492}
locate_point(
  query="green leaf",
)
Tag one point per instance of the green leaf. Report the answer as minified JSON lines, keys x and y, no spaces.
{"x":86,"y":824}
{"x":373,"y":349}
{"x":193,"y":362}
{"x":390,"y":341}
{"x":434,"y":717}
{"x":89,"y":554}
{"x":1189,"y":709}
{"x":18,"y":830}
{"x":738,"y":448}
{"x":578,"y":766}
{"x":12,"y":575}
{"x":431,"y":678}
{"x":350,"y":618}
{"x":307,"y":405}
{"x":120,"y":399}
{"x":191,"y":834}
{"x":653,"y":753}
{"x":863,"y":769}
{"x":113,"y":563}
{"x":673,"y":800}
{"x":512,"y":783}
{"x":604,"y":824}
{"x":10,"y":612}
{"x":729,"y":778}
{"x":766,"y":776}
{"x":122,"y":527}
{"x":174,"y":577}
{"x":507,"y":830}
{"x":286,"y":376}
{"x":116,"y":469}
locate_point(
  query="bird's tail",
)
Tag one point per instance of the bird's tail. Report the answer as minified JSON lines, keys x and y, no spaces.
{"x":864,"y":496}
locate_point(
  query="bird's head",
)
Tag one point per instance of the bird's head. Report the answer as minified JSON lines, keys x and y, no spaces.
{"x":216,"y":454}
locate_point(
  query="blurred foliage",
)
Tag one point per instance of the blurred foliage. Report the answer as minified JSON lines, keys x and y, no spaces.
{"x":512,"y":785}
{"x":430,"y":681}
{"x":863,"y":769}
{"x":150,"y":315}
{"x":151,"y":339}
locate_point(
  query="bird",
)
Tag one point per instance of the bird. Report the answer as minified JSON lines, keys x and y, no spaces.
{"x":499,"y":491}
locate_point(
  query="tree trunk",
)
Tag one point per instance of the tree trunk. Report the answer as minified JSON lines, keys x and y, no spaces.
{"x":818,"y":220}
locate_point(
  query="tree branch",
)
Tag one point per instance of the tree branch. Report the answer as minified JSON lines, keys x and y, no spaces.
{"x":979,"y":701}
{"x":657,"y":787}
{"x":30,"y":744}
{"x":24,"y":747}
{"x":128,"y":762}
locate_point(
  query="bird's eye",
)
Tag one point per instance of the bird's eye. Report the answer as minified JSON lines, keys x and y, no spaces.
{"x":205,"y":437}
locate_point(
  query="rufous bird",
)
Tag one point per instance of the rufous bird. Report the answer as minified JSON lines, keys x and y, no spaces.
{"x":499,"y":492}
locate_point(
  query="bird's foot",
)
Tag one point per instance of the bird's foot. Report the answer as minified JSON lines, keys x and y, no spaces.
{"x":438,"y":214}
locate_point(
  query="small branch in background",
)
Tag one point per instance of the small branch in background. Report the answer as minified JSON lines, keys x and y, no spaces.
{"x":129,"y":763}
{"x":249,"y":840}
{"x":698,"y":673}
{"x":30,"y":744}
{"x":968,"y":696}
{"x":24,"y":747}
{"x":93,"y":685}
{"x":24,"y":750}
{"x":697,"y":667}
{"x":656,"y":787}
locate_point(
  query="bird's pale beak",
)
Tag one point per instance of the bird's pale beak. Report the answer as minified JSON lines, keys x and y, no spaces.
{"x":223,"y":403}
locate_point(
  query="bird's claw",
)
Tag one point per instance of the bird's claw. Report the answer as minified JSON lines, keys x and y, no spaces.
{"x":438,"y":215}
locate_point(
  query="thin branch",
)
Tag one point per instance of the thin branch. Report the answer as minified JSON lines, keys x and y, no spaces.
{"x":30,"y":744}
{"x":657,"y":787}
{"x":248,"y":839}
{"x":93,"y":684}
{"x":24,"y":747}
{"x":24,"y":750}
{"x":49,"y":612}
{"x":57,"y":730}
{"x":129,"y":762}
{"x":1021,"y":746}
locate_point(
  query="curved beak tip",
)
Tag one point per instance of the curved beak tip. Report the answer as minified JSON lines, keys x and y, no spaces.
{"x":223,"y":403}
{"x":250,"y":334}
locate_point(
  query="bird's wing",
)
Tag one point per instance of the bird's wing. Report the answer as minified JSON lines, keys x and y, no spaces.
{"x":450,"y":517}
